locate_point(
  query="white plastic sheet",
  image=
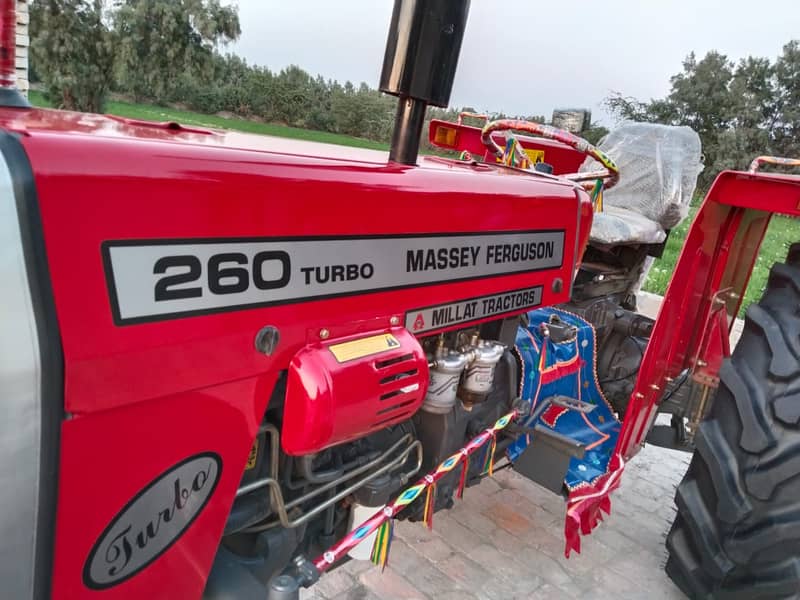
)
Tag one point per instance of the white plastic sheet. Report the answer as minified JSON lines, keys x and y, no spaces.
{"x":659,"y":165}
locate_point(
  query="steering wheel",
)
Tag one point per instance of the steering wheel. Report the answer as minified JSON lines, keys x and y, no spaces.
{"x":773,"y":160}
{"x":610,"y":174}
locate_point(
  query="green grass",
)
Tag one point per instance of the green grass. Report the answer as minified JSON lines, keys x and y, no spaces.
{"x":159,"y":113}
{"x":782,"y":232}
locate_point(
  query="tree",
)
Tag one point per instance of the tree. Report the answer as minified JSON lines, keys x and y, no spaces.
{"x":162,"y":40}
{"x":72,"y":51}
{"x":787,"y":119}
{"x":594,"y":133}
{"x":739,"y":111}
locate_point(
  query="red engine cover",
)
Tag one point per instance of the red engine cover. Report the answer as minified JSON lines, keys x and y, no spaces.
{"x":343,"y":389}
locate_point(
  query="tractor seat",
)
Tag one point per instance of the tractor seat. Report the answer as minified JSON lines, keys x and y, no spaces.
{"x":658,"y":166}
{"x":615,"y":226}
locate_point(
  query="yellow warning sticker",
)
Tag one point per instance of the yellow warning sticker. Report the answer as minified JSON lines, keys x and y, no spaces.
{"x":252,"y":457}
{"x":535,"y":156}
{"x":364,"y":347}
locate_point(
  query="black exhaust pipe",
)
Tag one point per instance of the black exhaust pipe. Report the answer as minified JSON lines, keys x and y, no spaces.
{"x":420,"y":65}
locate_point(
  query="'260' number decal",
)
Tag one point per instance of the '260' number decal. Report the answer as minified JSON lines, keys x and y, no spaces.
{"x":222,"y":278}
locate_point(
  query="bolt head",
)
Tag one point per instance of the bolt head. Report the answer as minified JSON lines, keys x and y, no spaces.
{"x":324,"y":334}
{"x":394,"y":321}
{"x":266,"y":339}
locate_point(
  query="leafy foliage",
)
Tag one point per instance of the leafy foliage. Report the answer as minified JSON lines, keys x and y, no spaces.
{"x":739,"y":110}
{"x":73,"y":51}
{"x":161,"y":41}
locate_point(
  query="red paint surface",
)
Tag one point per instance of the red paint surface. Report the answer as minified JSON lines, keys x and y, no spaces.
{"x":8,"y":43}
{"x":143,"y":397}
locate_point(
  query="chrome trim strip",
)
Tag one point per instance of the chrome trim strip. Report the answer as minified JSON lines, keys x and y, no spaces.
{"x":20,"y":405}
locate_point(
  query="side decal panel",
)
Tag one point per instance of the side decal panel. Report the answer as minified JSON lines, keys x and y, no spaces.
{"x":153,"y":280}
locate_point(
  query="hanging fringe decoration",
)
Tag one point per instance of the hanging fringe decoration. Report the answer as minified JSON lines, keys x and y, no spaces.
{"x":597,"y":196}
{"x":381,"y":520}
{"x":462,"y":481}
{"x":488,"y":465}
{"x":543,"y":356}
{"x":380,"y":547}
{"x":430,"y":501}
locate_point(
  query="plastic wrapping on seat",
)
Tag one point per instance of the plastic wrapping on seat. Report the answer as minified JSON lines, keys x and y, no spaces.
{"x":621,"y":226}
{"x":658,"y":164}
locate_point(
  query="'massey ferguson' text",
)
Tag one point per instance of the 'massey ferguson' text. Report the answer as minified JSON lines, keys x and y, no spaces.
{"x":425,"y":259}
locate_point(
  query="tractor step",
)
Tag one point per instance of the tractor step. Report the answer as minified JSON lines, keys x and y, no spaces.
{"x":570,"y":435}
{"x":572,"y":403}
{"x":547,"y":458}
{"x":666,"y":436}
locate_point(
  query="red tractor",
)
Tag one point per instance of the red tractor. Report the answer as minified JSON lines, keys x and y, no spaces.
{"x":227,"y":361}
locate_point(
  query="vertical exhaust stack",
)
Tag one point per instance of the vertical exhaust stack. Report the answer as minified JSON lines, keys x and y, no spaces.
{"x":9,"y":94}
{"x":420,"y":64}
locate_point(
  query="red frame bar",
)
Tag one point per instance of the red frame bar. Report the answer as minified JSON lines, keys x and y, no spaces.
{"x":698,"y":311}
{"x":718,"y":256}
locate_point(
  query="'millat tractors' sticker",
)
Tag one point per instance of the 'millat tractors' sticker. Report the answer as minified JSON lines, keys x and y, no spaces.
{"x":440,"y":316}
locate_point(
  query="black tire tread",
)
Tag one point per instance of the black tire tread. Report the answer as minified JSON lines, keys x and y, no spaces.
{"x":737,"y":530}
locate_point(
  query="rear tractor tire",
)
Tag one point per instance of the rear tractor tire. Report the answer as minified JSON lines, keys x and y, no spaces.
{"x":737,"y":531}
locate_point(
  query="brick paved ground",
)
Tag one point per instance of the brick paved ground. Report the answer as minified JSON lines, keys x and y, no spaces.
{"x":505,"y":540}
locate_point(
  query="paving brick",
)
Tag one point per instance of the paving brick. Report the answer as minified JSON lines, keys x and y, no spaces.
{"x":511,"y":518}
{"x":506,"y":543}
{"x":508,"y":576}
{"x":418,"y":571}
{"x":643,"y":502}
{"x":619,"y":543}
{"x":550,"y":592}
{"x":543,"y":536}
{"x":455,"y":534}
{"x":548,"y":569}
{"x":474,"y":520}
{"x":309,"y":594}
{"x":356,"y":567}
{"x":511,"y":589}
{"x":424,"y":542}
{"x":603,"y":583}
{"x":334,"y":583}
{"x":648,"y":572}
{"x":390,"y":585}
{"x":359,"y":592}
{"x":533,"y":492}
{"x":489,"y":484}
{"x":463,"y":570}
{"x":456,"y":595}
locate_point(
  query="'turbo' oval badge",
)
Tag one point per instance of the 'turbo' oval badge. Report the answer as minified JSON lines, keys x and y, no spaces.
{"x":152,"y":521}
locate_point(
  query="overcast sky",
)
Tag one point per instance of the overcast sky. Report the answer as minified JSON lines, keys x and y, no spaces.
{"x":525,"y":56}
